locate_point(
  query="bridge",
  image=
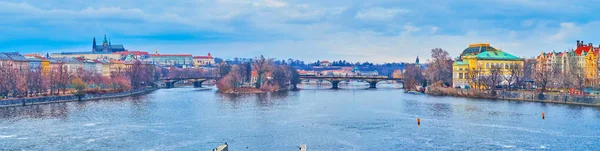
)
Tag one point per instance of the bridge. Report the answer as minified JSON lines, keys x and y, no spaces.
{"x":170,"y":82}
{"x":335,"y":80}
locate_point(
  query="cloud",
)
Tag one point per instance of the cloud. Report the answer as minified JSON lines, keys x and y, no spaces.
{"x":375,"y":31}
{"x":379,"y":13}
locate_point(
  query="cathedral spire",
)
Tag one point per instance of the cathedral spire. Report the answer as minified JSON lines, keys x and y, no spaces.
{"x":94,"y":44}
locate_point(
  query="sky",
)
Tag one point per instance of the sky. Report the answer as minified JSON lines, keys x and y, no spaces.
{"x":375,"y":30}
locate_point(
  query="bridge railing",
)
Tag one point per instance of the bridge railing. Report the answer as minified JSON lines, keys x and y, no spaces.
{"x":342,"y":76}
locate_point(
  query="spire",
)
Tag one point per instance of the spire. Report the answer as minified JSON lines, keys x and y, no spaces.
{"x":109,"y":42}
{"x":105,"y":41}
{"x":94,"y":44}
{"x":417,"y":61}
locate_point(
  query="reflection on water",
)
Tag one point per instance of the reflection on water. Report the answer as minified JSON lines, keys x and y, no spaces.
{"x":187,"y":118}
{"x":55,"y":110}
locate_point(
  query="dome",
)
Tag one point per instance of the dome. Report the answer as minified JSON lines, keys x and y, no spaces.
{"x":478,"y":48}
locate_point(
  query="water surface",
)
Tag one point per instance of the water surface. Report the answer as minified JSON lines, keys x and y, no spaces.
{"x":347,"y":119}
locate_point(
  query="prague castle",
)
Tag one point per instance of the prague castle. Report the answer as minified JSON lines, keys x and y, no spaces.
{"x":106,"y":46}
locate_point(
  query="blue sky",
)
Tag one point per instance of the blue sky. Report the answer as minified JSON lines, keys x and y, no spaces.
{"x":376,"y":31}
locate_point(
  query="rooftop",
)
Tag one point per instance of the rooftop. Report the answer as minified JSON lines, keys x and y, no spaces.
{"x":478,"y":48}
{"x":496,"y":55}
{"x":161,"y":55}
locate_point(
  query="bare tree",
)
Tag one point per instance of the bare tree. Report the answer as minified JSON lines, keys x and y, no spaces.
{"x":412,"y":77}
{"x":494,"y":78}
{"x":477,"y":79}
{"x":262,"y":65}
{"x":439,"y":67}
{"x":515,"y":75}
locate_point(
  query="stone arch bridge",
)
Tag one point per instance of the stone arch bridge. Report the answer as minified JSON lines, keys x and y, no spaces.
{"x":335,"y":80}
{"x":170,"y":82}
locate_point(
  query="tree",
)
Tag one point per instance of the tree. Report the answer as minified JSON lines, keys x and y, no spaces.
{"x":224,"y":69}
{"x":412,"y":77}
{"x":477,"y":79}
{"x":262,"y":65}
{"x":79,"y":87}
{"x":34,"y":81}
{"x":439,"y":67}
{"x":542,"y":75}
{"x":295,"y":79}
{"x":494,"y":78}
{"x":281,"y":77}
{"x":515,"y":75}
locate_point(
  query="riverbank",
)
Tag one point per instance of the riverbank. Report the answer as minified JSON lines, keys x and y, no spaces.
{"x":69,"y":98}
{"x":530,"y":96}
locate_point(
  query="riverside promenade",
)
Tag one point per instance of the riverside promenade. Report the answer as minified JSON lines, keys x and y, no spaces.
{"x":69,"y":98}
{"x":530,"y":96}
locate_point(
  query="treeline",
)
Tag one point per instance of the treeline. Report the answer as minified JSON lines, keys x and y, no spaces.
{"x":268,"y":76}
{"x":383,"y":68}
{"x":60,"y":79}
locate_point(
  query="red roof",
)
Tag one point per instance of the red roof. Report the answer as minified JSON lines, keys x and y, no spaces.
{"x":204,"y":57}
{"x":157,"y":55}
{"x":131,"y":52}
{"x":324,"y":61}
{"x":582,"y":49}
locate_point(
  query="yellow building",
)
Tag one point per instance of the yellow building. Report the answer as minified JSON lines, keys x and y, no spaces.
{"x":200,"y":61}
{"x":476,"y":62}
{"x":117,"y":67}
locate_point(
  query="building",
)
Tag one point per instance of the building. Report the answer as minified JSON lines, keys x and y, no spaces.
{"x":106,"y":46}
{"x":397,"y":74}
{"x":45,"y":64}
{"x":15,"y":60}
{"x":117,"y":67}
{"x":174,"y":60}
{"x":34,"y":64}
{"x":72,"y":64}
{"x":133,"y":55}
{"x":105,"y":67}
{"x":478,"y":61}
{"x":200,"y":61}
{"x":325,"y":63}
{"x":86,"y":55}
{"x":583,"y":59}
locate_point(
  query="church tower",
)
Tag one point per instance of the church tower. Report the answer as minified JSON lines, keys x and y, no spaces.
{"x":417,"y":62}
{"x":105,"y":44}
{"x":94,"y":45}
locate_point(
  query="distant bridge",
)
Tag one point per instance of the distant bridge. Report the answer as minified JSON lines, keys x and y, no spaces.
{"x":335,"y":80}
{"x":170,"y":82}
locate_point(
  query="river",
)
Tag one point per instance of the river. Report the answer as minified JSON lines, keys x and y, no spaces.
{"x":357,"y":119}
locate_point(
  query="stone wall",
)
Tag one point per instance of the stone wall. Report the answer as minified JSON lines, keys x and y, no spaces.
{"x":50,"y":99}
{"x":518,"y":95}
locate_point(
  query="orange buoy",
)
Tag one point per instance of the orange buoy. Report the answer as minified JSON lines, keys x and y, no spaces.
{"x":543,"y":116}
{"x":418,"y":121}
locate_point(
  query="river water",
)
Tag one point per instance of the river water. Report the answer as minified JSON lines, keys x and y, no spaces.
{"x":326,"y":120}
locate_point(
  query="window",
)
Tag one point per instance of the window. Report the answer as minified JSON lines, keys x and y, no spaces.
{"x":506,"y":66}
{"x":460,"y":75}
{"x":487,"y":65}
{"x":466,"y":75}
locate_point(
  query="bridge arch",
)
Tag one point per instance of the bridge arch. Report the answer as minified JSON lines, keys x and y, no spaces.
{"x":197,"y":81}
{"x":335,"y":80}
